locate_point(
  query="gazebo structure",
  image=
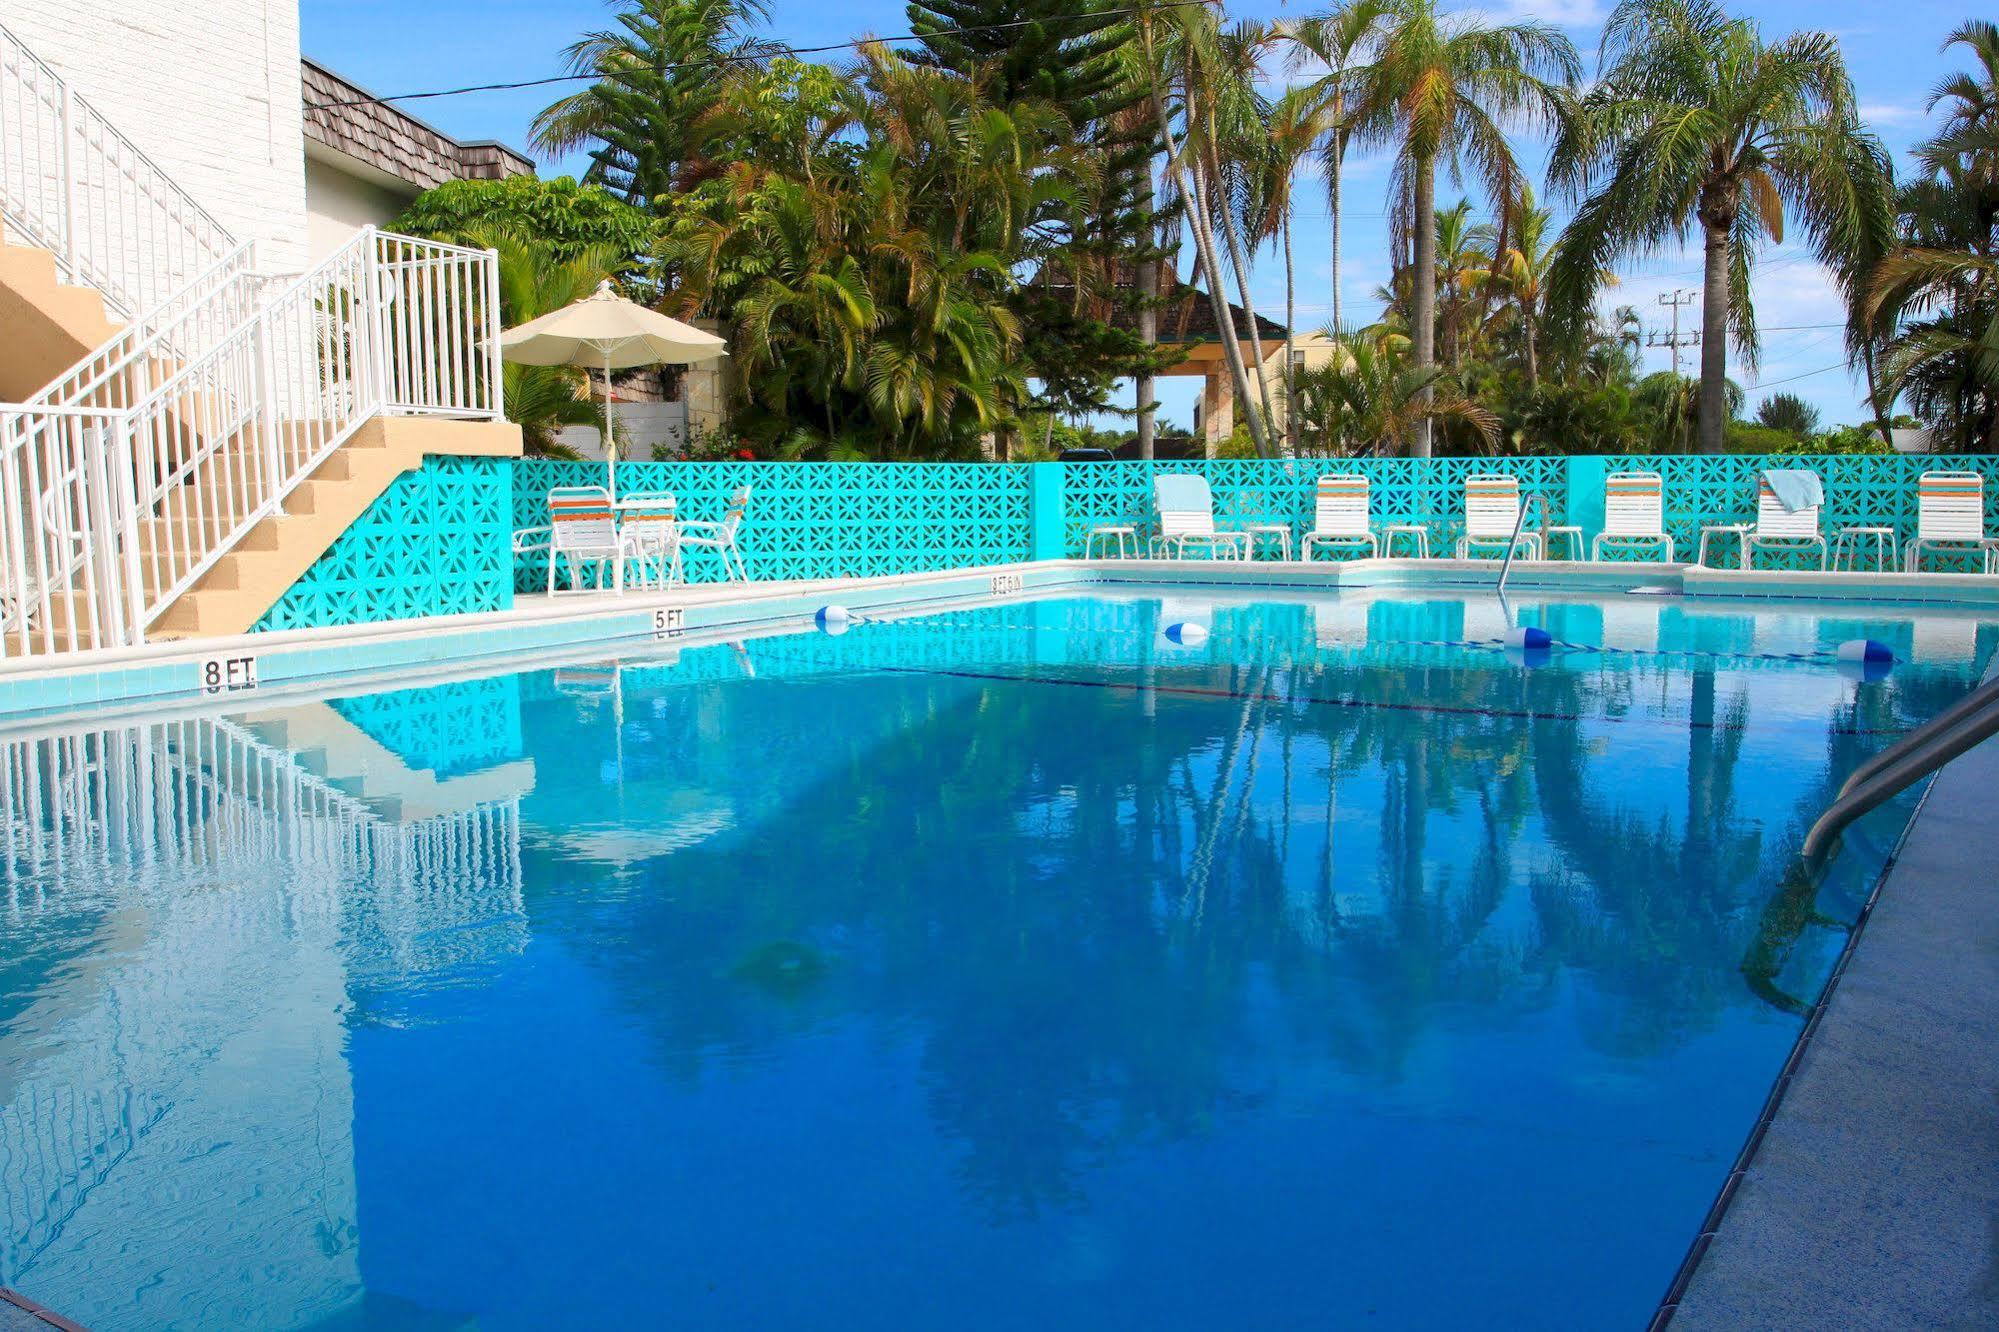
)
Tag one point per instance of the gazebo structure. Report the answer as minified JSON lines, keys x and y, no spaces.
{"x":1187,"y":325}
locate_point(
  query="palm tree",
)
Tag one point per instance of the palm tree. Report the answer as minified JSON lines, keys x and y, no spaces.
{"x":1371,"y":390}
{"x":1228,"y":135}
{"x":1167,"y":35}
{"x":1698,"y":121}
{"x":1464,"y":268}
{"x":1445,"y":88}
{"x":1337,"y":40}
{"x":1935,"y":299}
{"x":1294,"y":128}
{"x":1521,"y":269}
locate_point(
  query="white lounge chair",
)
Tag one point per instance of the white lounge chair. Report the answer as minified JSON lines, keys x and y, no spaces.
{"x":1492,"y":511}
{"x":582,"y":532}
{"x":1634,"y":511}
{"x":720,"y":537}
{"x":1779,"y":528}
{"x":1341,"y":515}
{"x":1950,"y":511}
{"x":648,"y":540}
{"x":1187,"y":513}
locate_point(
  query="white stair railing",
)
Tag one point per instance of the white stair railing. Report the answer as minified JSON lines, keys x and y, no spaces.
{"x":71,"y":184}
{"x":111,"y":508}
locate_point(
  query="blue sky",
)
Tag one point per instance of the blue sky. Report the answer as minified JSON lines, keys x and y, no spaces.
{"x":390,"y":46}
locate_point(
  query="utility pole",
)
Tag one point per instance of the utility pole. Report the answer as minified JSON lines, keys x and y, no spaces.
{"x":1676,"y":299}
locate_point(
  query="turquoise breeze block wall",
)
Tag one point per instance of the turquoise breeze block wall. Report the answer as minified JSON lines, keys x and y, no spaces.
{"x":438,"y":541}
{"x":1871,"y":489}
{"x":815,"y":520}
{"x":1404,"y":490}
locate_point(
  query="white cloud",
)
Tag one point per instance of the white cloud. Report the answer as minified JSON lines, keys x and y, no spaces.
{"x":1561,"y":13}
{"x":1890,"y":113}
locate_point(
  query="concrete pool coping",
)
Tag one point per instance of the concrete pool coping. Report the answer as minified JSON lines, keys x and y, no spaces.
{"x":1868,"y":1197}
{"x":194,"y":668}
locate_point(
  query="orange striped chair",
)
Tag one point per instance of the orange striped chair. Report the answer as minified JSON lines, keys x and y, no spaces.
{"x":1492,"y":511}
{"x":1341,"y":515}
{"x":582,"y":532}
{"x":1950,"y":511}
{"x":1634,"y":511}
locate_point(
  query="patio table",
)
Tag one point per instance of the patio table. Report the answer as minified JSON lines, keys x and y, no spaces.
{"x":1846,"y":544}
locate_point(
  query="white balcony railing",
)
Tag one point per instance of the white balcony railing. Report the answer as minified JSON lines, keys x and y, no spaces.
{"x":71,"y":184}
{"x":177,"y":441}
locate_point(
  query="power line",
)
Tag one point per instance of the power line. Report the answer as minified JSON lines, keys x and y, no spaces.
{"x":1772,"y":383}
{"x":754,"y":57}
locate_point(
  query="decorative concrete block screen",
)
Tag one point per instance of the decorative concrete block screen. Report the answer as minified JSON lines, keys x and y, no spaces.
{"x":438,"y":541}
{"x":815,"y":520}
{"x":1404,"y":490}
{"x":1871,"y":489}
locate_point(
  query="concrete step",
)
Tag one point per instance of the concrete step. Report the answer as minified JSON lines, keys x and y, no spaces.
{"x":45,"y":326}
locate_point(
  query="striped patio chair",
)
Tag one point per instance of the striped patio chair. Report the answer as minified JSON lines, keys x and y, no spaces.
{"x":1950,"y":511}
{"x":1492,"y":511}
{"x":1634,"y":511}
{"x":582,"y":532}
{"x":1341,"y":515}
{"x":1779,"y":527}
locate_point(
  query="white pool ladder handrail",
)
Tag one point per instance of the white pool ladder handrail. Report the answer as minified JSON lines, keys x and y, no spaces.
{"x":1966,"y":724}
{"x":1527,"y":501}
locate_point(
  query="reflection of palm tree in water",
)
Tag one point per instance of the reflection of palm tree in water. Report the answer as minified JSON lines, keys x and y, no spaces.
{"x":1878,"y":708}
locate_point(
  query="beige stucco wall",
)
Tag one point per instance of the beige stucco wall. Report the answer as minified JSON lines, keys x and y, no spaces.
{"x":341,"y":198}
{"x":209,"y":89}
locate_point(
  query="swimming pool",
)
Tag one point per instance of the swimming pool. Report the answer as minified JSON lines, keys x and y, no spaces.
{"x":993,"y":967}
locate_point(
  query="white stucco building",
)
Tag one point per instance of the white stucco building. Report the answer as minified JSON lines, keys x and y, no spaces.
{"x":217,"y":94}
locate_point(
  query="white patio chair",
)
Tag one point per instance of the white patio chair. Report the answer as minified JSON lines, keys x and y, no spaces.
{"x":1950,"y":511}
{"x":720,"y":537}
{"x":1492,"y":511}
{"x":1634,"y":511}
{"x":1341,"y":515}
{"x":1779,"y":528}
{"x":1187,"y":513}
{"x":582,"y":532}
{"x":648,"y":540}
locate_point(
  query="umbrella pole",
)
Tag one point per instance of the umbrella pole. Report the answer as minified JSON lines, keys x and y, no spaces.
{"x":610,"y":440}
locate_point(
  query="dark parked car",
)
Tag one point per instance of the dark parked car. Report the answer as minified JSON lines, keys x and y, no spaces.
{"x":1085,"y":455}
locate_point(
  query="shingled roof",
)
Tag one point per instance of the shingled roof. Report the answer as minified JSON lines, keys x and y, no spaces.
{"x":345,"y":117}
{"x":1185,"y":315}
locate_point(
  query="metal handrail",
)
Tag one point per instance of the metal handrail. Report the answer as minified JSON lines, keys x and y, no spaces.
{"x":1972,"y":702}
{"x":1527,"y":502}
{"x":1968,"y":724}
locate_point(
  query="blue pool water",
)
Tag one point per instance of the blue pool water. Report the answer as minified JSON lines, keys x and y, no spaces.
{"x":998,"y":968}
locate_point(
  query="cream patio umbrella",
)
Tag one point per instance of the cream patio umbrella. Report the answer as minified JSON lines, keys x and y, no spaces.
{"x":604,"y":330}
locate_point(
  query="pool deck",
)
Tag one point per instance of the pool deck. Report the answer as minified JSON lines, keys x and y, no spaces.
{"x":1872,"y":1200}
{"x":18,"y":1313}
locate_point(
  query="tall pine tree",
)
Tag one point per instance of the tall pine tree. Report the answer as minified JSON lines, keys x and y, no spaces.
{"x":1081,"y":309}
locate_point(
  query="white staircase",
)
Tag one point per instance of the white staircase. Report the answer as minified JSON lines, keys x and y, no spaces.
{"x":126,"y":480}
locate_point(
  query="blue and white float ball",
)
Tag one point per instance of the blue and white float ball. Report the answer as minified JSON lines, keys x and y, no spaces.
{"x":1527,"y":638}
{"x":1185,"y":633}
{"x":1527,"y":646}
{"x":1865,"y":649}
{"x":834,"y":620}
{"x":1864,"y":659}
